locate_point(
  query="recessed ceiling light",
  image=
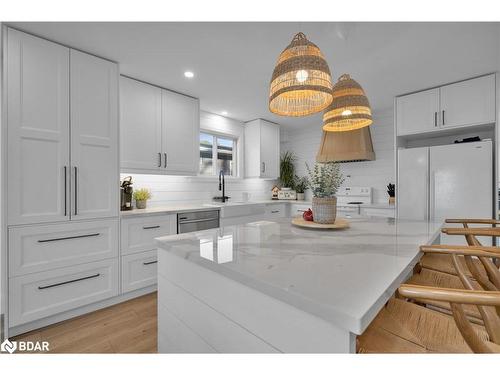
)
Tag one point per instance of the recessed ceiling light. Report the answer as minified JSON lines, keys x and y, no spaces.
{"x":188,"y":74}
{"x":224,"y":113}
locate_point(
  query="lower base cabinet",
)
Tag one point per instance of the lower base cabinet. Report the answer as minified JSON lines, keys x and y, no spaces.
{"x":139,"y":270}
{"x":39,"y":295}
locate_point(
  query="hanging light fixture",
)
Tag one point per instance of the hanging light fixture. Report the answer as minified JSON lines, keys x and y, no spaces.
{"x":349,"y":109}
{"x":301,"y":83}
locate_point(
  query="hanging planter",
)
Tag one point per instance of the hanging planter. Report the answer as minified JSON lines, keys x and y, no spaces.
{"x":301,"y":83}
{"x":349,"y":109}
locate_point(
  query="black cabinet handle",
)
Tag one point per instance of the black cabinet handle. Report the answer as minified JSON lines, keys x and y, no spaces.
{"x":443,"y":116}
{"x":274,"y":212}
{"x":435,"y":119}
{"x":76,"y":191}
{"x":148,"y":263}
{"x":65,"y":191}
{"x":151,"y":227}
{"x":165,"y":157}
{"x":159,"y":159}
{"x":69,"y":282}
{"x":69,"y":238}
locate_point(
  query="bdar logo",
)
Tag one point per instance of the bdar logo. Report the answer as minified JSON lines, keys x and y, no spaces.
{"x":8,"y":346}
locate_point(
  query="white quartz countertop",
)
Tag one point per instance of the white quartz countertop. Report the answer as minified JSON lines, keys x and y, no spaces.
{"x":174,"y":208}
{"x":344,"y":276}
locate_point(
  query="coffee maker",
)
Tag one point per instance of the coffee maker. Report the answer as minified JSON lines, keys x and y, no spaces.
{"x":126,"y":191}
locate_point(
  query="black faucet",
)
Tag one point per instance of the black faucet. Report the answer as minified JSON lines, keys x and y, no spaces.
{"x":222,"y":186}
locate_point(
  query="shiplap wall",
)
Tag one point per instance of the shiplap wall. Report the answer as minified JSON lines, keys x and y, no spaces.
{"x":376,"y":174}
{"x":168,"y":190}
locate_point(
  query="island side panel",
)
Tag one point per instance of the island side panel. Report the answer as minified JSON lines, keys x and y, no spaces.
{"x":275,"y":325}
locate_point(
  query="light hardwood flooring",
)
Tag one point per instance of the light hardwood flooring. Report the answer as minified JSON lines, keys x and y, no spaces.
{"x":129,"y":327}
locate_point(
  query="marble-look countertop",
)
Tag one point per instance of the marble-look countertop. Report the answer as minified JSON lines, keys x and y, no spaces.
{"x":343,"y":276}
{"x":175,"y":208}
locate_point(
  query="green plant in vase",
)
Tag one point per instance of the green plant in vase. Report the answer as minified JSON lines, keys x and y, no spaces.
{"x":287,"y":169}
{"x":301,"y":185}
{"x":141,"y":196}
{"x":324,"y":181}
{"x":391,"y":191}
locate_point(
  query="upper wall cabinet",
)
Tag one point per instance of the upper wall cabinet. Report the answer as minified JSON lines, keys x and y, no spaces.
{"x":62,"y":157}
{"x":159,"y":130}
{"x":466,"y":103}
{"x":470,"y":102}
{"x":418,"y":112}
{"x":262,"y":149}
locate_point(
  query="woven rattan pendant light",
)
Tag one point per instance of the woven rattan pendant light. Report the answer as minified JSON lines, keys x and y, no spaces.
{"x":349,"y":109}
{"x":301,"y":83}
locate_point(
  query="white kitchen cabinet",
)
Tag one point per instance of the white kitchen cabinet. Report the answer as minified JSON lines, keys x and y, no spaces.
{"x":276,"y":210}
{"x":43,"y":294}
{"x":298,"y":209}
{"x":262,"y":149}
{"x":62,"y":133}
{"x":416,"y":113}
{"x":140,"y":127}
{"x":38,"y":248}
{"x":159,"y":130}
{"x":38,"y":129}
{"x":94,"y":137}
{"x":138,"y":233}
{"x":378,"y":212}
{"x":468,"y":102}
{"x":180,"y":133}
{"x":139,"y":270}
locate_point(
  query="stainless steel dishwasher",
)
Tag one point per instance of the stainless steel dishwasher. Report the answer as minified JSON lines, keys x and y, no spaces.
{"x":198,"y":220}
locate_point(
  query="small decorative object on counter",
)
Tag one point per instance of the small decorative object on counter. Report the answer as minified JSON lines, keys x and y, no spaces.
{"x":275,"y":191}
{"x":324,"y":181}
{"x":287,"y":194}
{"x":141,"y":196}
{"x":391,"y":190}
{"x":308,"y":215}
{"x":126,"y":191}
{"x":301,"y":184}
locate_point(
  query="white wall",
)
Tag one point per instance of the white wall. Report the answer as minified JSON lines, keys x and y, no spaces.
{"x":377,"y":174}
{"x":168,"y":190}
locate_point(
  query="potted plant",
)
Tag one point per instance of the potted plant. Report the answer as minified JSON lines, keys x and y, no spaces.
{"x":141,"y":196}
{"x":391,"y":190}
{"x":324,"y":181}
{"x":301,"y":184}
{"x":287,"y":170}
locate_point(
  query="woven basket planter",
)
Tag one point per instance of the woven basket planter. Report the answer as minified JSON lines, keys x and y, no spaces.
{"x":324,"y":210}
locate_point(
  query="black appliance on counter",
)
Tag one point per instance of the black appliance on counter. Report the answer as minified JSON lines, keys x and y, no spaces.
{"x":126,"y":191}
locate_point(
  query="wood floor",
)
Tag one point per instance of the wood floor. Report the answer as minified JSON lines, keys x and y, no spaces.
{"x":129,"y":327}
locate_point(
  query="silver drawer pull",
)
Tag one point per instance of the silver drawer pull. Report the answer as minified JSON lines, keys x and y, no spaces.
{"x":152,"y":227}
{"x":69,"y":238}
{"x":70,"y":281}
{"x":274,"y":212}
{"x":148,"y":263}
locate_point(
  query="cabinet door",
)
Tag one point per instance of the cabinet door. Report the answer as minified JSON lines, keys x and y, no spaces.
{"x":140,"y":127}
{"x":180,"y":133}
{"x":38,"y":129}
{"x":94,"y":137}
{"x":416,"y":113}
{"x":470,"y":102}
{"x":413,"y":183}
{"x":269,"y":150}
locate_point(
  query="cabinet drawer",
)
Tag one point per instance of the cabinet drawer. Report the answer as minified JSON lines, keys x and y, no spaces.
{"x":298,"y":209}
{"x":276,"y":210}
{"x":139,"y":270}
{"x":40,"y":295}
{"x":44,"y":247}
{"x":378,"y":212}
{"x":138,"y":234}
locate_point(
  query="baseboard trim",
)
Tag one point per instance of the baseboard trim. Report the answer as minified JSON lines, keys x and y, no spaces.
{"x":27,"y":327}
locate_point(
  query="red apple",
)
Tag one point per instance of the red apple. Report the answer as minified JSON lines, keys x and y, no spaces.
{"x":308,"y":215}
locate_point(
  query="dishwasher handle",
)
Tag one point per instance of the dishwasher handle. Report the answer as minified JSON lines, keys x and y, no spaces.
{"x":196,"y":220}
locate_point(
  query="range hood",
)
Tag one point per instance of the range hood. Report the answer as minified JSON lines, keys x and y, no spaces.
{"x":347,"y":146}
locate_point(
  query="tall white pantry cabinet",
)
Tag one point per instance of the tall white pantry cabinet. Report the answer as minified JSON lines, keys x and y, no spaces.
{"x":62,"y":171}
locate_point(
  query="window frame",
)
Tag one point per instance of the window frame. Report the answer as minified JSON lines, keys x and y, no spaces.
{"x":216,"y":136}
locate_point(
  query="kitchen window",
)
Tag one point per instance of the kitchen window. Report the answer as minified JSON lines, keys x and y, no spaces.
{"x":217,"y":153}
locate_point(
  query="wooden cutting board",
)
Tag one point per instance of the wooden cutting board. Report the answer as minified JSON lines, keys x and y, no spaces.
{"x":339,"y":224}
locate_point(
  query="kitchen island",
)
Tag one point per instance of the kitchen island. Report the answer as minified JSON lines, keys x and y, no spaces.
{"x":268,"y":286}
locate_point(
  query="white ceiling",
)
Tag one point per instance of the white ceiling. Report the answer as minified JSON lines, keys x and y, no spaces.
{"x":233,"y":62}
